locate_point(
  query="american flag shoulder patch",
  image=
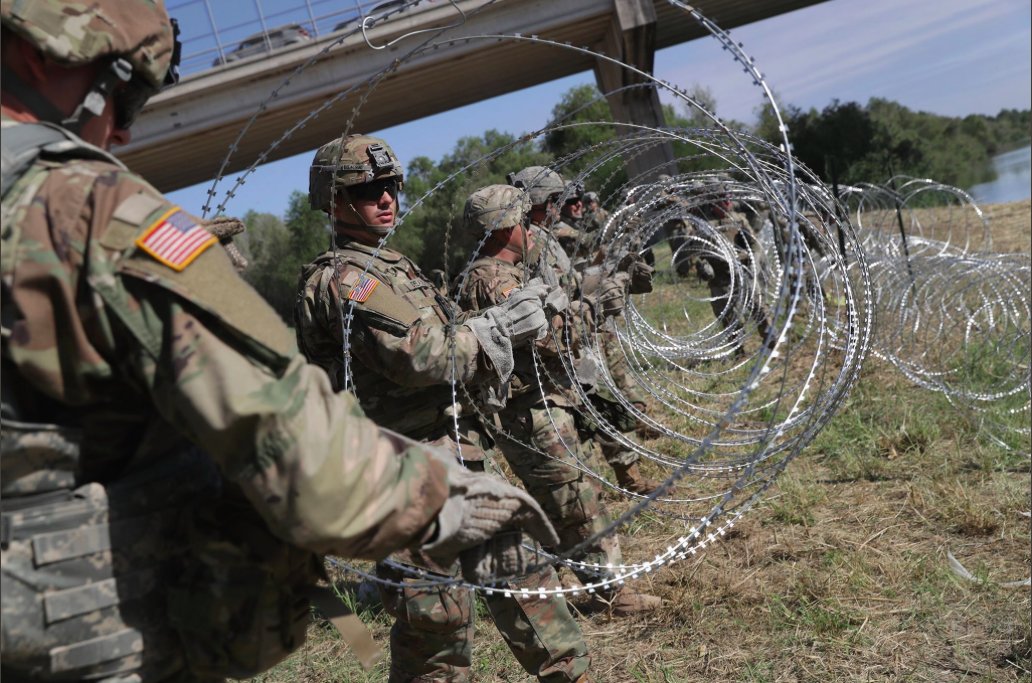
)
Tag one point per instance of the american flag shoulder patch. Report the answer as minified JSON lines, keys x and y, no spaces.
{"x":175,"y":239}
{"x":363,"y":288}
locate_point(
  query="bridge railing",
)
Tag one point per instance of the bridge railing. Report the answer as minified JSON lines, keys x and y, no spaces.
{"x":213,"y":30}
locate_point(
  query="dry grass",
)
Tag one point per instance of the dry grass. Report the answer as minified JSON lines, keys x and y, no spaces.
{"x":840,"y":574}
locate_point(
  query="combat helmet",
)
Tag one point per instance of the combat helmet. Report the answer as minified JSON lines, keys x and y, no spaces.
{"x":135,"y":36}
{"x":495,"y":207}
{"x":347,"y":161}
{"x":540,"y":183}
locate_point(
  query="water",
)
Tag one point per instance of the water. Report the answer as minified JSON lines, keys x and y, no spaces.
{"x":1013,"y":180}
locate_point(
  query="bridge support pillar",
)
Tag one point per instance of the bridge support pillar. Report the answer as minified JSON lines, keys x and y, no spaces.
{"x":631,"y":38}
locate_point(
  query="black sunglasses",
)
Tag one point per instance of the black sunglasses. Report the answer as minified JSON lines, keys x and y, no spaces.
{"x":129,"y":101}
{"x":372,"y":191}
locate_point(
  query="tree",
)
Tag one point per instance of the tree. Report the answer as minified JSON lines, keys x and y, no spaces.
{"x":276,"y":251}
{"x":432,"y":233}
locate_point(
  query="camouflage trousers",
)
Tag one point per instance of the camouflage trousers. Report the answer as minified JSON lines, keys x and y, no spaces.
{"x":432,"y":636}
{"x":610,"y":408}
{"x":568,"y":496}
{"x":733,"y":311}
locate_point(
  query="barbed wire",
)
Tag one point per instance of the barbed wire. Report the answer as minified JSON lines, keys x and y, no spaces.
{"x":737,"y":382}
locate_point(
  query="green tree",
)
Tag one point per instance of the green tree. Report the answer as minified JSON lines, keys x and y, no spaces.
{"x":277,"y":250}
{"x":432,"y":233}
{"x":263,"y":244}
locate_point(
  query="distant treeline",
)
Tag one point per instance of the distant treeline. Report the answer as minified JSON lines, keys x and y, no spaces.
{"x":845,"y":142}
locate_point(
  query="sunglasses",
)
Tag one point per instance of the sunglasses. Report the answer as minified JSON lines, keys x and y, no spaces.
{"x":129,"y":101}
{"x":371,"y":192}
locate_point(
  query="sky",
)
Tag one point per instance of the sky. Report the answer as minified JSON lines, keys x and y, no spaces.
{"x":948,"y":57}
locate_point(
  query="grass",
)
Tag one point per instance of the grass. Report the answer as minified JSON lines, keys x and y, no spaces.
{"x":839,"y":574}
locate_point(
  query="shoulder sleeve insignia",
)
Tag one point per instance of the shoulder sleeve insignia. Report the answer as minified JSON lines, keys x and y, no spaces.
{"x":175,"y":239}
{"x":363,"y":289}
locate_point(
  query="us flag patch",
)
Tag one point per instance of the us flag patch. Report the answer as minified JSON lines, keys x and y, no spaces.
{"x":175,"y":239}
{"x":363,"y":289}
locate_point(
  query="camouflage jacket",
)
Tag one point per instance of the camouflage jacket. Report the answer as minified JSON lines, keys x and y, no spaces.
{"x":569,"y":237}
{"x":592,"y":221}
{"x":402,"y":341}
{"x":549,"y":261}
{"x":147,"y":350}
{"x":489,"y":283}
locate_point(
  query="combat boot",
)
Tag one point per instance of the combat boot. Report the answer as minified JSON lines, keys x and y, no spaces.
{"x":629,"y":477}
{"x":625,"y":602}
{"x":584,"y":678}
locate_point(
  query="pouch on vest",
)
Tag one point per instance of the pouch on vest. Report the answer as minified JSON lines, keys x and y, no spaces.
{"x":83,"y":572}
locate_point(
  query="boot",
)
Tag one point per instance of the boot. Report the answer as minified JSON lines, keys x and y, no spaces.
{"x":630,"y":477}
{"x":584,"y":678}
{"x":624,"y":602}
{"x":647,"y":431}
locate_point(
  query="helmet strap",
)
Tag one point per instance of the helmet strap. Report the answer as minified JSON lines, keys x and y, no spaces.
{"x":120,"y":71}
{"x":92,"y":105}
{"x":43,"y":108}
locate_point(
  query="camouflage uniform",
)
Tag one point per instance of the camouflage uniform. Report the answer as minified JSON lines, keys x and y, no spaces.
{"x":731,"y":305}
{"x":118,"y":368}
{"x":613,"y":411}
{"x":592,"y":220}
{"x":401,"y":368}
{"x":543,"y":418}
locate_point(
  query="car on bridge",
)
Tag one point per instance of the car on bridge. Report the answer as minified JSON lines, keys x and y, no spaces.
{"x":265,"y":41}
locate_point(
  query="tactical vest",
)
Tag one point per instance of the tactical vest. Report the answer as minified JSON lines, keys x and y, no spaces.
{"x":400,"y":301}
{"x":165,"y":567}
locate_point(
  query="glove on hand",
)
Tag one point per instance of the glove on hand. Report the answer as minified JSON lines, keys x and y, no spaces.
{"x":522,"y":316}
{"x":641,"y":277}
{"x":556,"y":300}
{"x":611,"y":294}
{"x":705,"y":270}
{"x":480,"y":524}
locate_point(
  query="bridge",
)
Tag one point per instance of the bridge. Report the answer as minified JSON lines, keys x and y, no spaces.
{"x":183,"y":134}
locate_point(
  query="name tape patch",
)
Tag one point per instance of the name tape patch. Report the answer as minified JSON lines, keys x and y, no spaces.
{"x":175,"y":239}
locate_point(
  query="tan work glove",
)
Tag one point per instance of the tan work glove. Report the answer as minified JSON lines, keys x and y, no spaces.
{"x":481,"y":524}
{"x":610,"y":294}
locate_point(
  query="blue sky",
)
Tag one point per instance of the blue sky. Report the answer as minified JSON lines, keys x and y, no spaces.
{"x":950,"y":57}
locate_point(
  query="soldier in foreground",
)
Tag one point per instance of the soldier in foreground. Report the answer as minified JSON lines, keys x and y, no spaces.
{"x":172,"y":469}
{"x":403,"y":340}
{"x":541,"y":415}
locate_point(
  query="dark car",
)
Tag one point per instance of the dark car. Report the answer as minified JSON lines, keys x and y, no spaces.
{"x":273,"y":39}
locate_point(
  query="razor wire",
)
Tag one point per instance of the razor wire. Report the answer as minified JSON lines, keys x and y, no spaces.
{"x":953,"y":315}
{"x":726,"y":408}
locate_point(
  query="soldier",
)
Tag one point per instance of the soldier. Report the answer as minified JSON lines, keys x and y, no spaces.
{"x":566,"y":229}
{"x":593,"y":216}
{"x":733,"y":298}
{"x":635,"y":276}
{"x":171,"y":467}
{"x":403,"y":339}
{"x":540,"y":415}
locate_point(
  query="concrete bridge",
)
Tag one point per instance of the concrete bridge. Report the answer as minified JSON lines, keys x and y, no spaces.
{"x":183,"y":134}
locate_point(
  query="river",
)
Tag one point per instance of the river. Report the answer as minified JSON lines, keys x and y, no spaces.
{"x":1013,"y":179}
